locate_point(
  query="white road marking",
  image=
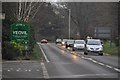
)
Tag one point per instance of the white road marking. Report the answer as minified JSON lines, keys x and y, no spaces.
{"x":108,"y":66}
{"x":45,"y":73}
{"x":101,"y":64}
{"x":44,"y":54}
{"x":89,"y":58}
{"x":29,"y":70}
{"x":106,"y":54}
{"x":25,"y":70}
{"x":84,"y":75}
{"x":94,"y":61}
{"x":82,"y":57}
{"x":117,"y":69}
{"x":8,"y":70}
{"x":17,"y":70}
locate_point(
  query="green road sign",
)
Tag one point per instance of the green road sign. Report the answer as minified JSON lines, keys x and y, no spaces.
{"x":20,"y":33}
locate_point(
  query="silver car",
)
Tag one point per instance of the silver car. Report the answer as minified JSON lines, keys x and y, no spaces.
{"x":94,"y":46}
{"x":78,"y":44}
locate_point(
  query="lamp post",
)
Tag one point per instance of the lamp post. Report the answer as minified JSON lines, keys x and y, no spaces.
{"x":69,"y":21}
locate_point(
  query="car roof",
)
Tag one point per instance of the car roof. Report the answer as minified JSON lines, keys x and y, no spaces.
{"x":79,"y":40}
{"x":70,"y":40}
{"x":93,"y":39}
{"x":58,"y":38}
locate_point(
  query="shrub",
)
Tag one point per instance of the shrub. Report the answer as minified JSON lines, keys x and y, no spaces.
{"x":9,"y":52}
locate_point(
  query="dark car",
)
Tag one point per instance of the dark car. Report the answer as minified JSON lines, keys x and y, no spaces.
{"x":63,"y":43}
{"x":69,"y":43}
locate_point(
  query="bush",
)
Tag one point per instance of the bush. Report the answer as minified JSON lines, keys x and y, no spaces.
{"x":9,"y":52}
{"x":110,"y":48}
{"x":37,"y":54}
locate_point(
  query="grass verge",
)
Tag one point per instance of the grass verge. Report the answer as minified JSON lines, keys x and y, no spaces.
{"x":110,"y":48}
{"x":37,"y":54}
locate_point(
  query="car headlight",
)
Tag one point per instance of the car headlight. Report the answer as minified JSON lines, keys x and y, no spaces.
{"x":88,"y":48}
{"x":63,"y":42}
{"x":74,"y":45}
{"x":100,"y":49}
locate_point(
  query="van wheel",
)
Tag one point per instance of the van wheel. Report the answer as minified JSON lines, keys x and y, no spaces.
{"x":101,"y":54}
{"x":66,"y":47}
{"x":73,"y":49}
{"x":85,"y":53}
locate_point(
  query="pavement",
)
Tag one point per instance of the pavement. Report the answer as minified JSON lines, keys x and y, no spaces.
{"x":24,"y":69}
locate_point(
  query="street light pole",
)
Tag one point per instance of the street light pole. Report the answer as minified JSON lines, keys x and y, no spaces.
{"x":69,"y":21}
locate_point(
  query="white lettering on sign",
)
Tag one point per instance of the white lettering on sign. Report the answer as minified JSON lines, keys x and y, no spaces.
{"x":20,"y":32}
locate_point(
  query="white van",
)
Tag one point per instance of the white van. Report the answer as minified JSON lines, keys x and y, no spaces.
{"x":94,"y":46}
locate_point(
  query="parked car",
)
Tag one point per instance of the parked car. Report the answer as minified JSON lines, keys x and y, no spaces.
{"x":44,"y":41}
{"x":69,"y":43}
{"x":58,"y":41}
{"x":78,"y":44}
{"x":94,"y":46}
{"x":63,"y":43}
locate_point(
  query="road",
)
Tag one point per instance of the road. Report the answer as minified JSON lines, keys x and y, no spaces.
{"x":60,"y":62}
{"x":64,"y":63}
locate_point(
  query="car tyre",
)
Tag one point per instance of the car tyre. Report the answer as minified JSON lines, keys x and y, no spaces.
{"x":85,"y":53}
{"x":73,"y":49}
{"x":101,"y":54}
{"x":66,"y":46}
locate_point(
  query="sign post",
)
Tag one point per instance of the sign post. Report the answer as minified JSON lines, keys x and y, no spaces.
{"x":20,"y":33}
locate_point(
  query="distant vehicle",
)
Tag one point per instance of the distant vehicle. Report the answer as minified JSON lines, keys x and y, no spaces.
{"x":44,"y":41}
{"x":63,"y":43}
{"x":58,"y":41}
{"x":69,"y":43}
{"x":93,"y":45}
{"x":78,"y":44}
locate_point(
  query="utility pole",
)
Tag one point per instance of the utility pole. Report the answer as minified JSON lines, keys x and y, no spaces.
{"x":69,"y":21}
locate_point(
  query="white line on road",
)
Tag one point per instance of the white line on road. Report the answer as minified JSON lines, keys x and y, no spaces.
{"x":89,"y":58}
{"x":29,"y":70}
{"x":117,"y":69}
{"x":84,"y":75}
{"x":94,"y":61}
{"x":45,"y":73}
{"x":108,"y":66}
{"x":17,"y":70}
{"x":25,"y":70}
{"x":101,"y":64}
{"x":37,"y":70}
{"x":82,"y":57}
{"x":8,"y":70}
{"x":44,"y":54}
